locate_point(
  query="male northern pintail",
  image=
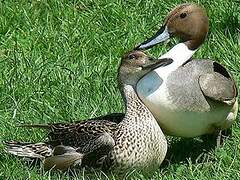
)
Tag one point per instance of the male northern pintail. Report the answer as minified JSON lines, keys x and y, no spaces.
{"x":134,"y":141}
{"x":188,"y":98}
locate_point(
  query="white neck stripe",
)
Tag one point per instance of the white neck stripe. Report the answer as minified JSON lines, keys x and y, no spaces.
{"x":179,"y":54}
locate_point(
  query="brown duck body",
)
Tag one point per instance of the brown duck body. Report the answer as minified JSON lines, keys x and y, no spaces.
{"x":111,"y":143}
{"x":123,"y":142}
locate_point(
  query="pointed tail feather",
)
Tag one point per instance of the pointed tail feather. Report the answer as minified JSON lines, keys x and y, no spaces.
{"x":36,"y":151}
{"x":61,"y":157}
{"x":42,"y":126}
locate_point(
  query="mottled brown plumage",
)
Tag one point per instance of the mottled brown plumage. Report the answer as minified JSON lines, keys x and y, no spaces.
{"x":120,"y":142}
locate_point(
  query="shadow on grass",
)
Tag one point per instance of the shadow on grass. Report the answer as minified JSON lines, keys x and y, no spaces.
{"x":181,"y":150}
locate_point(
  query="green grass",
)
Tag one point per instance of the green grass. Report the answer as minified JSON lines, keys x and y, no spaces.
{"x":58,"y":62}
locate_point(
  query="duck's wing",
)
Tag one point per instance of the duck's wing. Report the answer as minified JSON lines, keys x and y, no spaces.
{"x":219,"y":85}
{"x":91,"y":153}
{"x":80,"y":135}
{"x":93,"y":138}
{"x":78,"y":132}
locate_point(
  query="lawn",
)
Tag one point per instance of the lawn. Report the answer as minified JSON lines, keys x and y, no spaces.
{"x":58,"y":63}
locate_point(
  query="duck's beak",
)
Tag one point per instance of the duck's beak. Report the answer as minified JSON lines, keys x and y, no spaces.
{"x":155,"y":63}
{"x":161,"y":36}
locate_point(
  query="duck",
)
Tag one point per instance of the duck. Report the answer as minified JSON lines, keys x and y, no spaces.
{"x":133,"y":140}
{"x":189,"y":98}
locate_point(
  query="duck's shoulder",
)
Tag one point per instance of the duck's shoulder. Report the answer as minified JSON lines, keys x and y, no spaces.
{"x":215,"y":81}
{"x":219,"y":85}
{"x":201,"y":78}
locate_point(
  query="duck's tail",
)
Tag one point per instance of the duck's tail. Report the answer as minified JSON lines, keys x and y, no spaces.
{"x":29,"y":150}
{"x":61,"y":157}
{"x":40,"y":126}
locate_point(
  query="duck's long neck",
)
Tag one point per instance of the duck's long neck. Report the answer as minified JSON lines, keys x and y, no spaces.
{"x":180,"y":53}
{"x":132,"y":102}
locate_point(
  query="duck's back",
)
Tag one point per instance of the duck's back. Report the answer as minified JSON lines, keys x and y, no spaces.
{"x":186,"y":92}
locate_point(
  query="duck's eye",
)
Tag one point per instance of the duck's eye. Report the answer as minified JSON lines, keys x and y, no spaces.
{"x":183,"y":15}
{"x":131,"y":56}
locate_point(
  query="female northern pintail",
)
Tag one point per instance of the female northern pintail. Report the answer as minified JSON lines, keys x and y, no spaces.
{"x":134,"y":141}
{"x":188,"y":98}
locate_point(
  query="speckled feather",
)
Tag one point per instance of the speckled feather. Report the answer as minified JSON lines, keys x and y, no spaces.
{"x":119,"y":142}
{"x":136,"y":138}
